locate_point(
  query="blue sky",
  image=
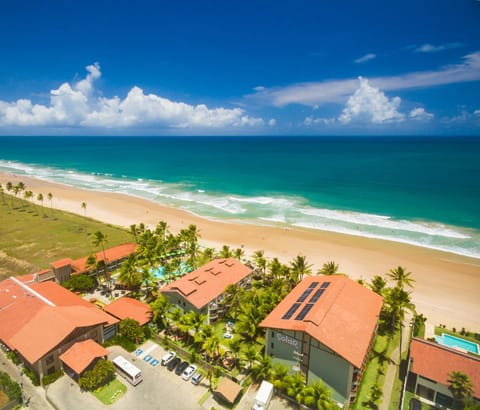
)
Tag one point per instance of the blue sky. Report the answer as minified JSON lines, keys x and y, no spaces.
{"x":225,"y":68}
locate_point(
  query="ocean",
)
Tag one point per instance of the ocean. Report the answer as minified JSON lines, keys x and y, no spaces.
{"x":419,"y":190}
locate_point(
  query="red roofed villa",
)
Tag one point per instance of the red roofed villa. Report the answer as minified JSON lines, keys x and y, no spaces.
{"x":202,"y":290}
{"x":325,"y":328}
{"x":41,"y":321}
{"x":82,"y":356}
{"x":430,"y":367}
{"x":126,"y":307}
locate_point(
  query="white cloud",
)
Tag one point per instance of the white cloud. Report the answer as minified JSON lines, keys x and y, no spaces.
{"x":76,"y":105}
{"x":420,"y":114}
{"x":272,"y":122}
{"x":365,"y":58}
{"x":372,"y":105}
{"x":310,"y":120}
{"x":430,"y":48}
{"x":338,"y":91}
{"x":477,"y":112}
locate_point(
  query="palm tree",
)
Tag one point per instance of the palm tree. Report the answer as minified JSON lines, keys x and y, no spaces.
{"x":235,"y":346}
{"x":277,"y":375}
{"x":294,"y":385}
{"x":250,"y":354}
{"x":378,"y":284}
{"x":233,"y":294}
{"x":261,"y":369}
{"x":3,"y":193}
{"x":399,"y":300}
{"x":300,"y":268}
{"x":225,"y":252}
{"x":160,"y":308}
{"x":238,"y":253}
{"x":40,"y":199}
{"x":9,"y":187}
{"x":50,"y":197}
{"x":328,"y":268}
{"x":461,"y":387}
{"x":212,"y":346}
{"x":129,"y":277}
{"x":401,"y":277}
{"x":27,"y":195}
{"x":100,"y":239}
{"x":317,"y":396}
{"x":84,"y":207}
{"x":260,"y":261}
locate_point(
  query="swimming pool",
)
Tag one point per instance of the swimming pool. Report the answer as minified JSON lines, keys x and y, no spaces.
{"x":457,"y":343}
{"x":159,"y":272}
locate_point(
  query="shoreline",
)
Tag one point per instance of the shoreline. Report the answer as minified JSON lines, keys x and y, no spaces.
{"x":446,"y":287}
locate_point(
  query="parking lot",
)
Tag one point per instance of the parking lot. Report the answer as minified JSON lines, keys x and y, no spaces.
{"x":160,"y":388}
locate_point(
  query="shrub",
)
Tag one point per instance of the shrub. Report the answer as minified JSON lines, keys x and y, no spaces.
{"x":122,"y":341}
{"x":131,"y":329}
{"x":80,"y":283}
{"x":49,"y":379}
{"x":13,"y":357}
{"x":32,"y":376}
{"x":102,"y":373}
{"x":10,"y":387}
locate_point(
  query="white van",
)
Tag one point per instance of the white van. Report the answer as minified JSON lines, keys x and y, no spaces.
{"x":263,"y":397}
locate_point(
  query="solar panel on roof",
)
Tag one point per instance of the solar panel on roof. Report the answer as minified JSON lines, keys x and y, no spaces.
{"x":291,"y":311}
{"x":305,"y":295}
{"x":325,"y":285}
{"x":307,"y":308}
{"x":317,"y":295}
{"x":313,"y":285}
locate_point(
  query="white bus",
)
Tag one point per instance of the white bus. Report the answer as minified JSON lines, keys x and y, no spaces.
{"x":128,"y":370}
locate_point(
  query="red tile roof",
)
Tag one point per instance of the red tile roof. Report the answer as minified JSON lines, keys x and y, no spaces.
{"x":126,"y":307}
{"x":205,"y":284}
{"x":61,"y":263}
{"x":49,"y":326}
{"x":81,"y":354}
{"x":37,"y":317}
{"x":344,"y":318}
{"x":228,"y":389}
{"x":436,"y":362}
{"x":111,"y":255}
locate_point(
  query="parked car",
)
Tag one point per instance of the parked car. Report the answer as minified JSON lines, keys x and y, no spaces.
{"x":197,"y":378}
{"x":181,"y":368}
{"x":173,"y":363}
{"x":189,"y":372}
{"x":169,"y":356}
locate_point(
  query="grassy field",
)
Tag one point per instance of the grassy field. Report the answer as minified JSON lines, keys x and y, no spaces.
{"x":32,"y":238}
{"x":111,"y":392}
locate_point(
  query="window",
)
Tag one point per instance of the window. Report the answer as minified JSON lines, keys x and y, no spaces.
{"x":273,"y":334}
{"x":49,"y":360}
{"x":51,"y":370}
{"x":272,"y":346}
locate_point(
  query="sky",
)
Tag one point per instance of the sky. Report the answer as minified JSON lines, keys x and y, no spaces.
{"x":240,"y":68}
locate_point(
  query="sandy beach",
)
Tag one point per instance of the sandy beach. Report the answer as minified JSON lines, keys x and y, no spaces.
{"x":447,"y":287}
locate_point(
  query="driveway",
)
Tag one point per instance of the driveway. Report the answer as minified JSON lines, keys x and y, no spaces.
{"x":160,"y":389}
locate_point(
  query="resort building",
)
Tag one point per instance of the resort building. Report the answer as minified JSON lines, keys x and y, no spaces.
{"x":42,"y":321}
{"x":62,"y":269}
{"x":126,"y":307}
{"x":430,"y":367}
{"x":325,"y":329}
{"x":203,"y":289}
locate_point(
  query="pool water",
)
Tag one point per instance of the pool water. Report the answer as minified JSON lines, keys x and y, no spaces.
{"x":457,"y":343}
{"x":158,"y":272}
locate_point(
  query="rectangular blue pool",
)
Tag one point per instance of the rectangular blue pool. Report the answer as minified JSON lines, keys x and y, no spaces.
{"x":457,"y":343}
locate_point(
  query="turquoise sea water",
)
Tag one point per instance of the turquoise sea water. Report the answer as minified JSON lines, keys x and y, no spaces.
{"x":424,"y":191}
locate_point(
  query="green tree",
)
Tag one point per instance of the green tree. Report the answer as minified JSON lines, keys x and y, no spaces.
{"x":225,"y":252}
{"x":80,"y":283}
{"x":317,"y":396}
{"x":103,"y":372}
{"x":84,"y":207}
{"x":100,"y":239}
{"x":294,"y":385}
{"x":129,"y":276}
{"x":329,"y":268}
{"x":160,"y":308}
{"x":378,"y":284}
{"x":299,"y":269}
{"x":40,"y":199}
{"x":249,"y":354}
{"x":9,"y":187}
{"x":238,"y":253}
{"x":50,"y":198}
{"x":461,"y":387}
{"x":401,"y":277}
{"x":260,"y":261}
{"x":261,"y":368}
{"x":131,"y":329}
